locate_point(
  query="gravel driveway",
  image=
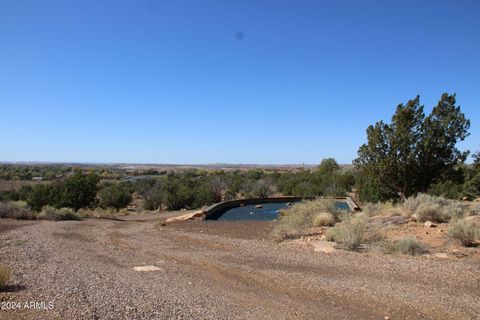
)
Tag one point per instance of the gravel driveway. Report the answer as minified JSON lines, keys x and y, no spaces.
{"x":84,"y":270}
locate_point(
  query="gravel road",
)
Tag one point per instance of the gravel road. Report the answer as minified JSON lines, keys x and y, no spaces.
{"x":85,"y":269}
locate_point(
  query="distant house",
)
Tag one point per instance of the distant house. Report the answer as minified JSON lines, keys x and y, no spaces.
{"x":37,"y":179}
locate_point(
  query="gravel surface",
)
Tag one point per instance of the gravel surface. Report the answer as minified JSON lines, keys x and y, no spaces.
{"x":85,"y":268}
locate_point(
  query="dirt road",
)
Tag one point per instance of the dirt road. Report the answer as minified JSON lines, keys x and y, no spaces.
{"x":85,"y":271}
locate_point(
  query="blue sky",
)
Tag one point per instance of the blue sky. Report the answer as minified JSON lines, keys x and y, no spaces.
{"x":170,"y":82}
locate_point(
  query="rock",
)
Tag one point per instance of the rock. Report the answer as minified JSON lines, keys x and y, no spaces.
{"x":323,"y":246}
{"x":415,"y":217}
{"x":259,"y":206}
{"x":146,"y":268}
{"x":441,"y":255}
{"x":429,"y":224}
{"x":187,"y":216}
{"x":477,"y":200}
{"x":465,"y":198}
{"x":386,"y":318}
{"x":394,"y":220}
{"x":474,"y":219}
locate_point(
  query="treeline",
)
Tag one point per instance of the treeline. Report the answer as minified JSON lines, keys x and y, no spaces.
{"x":50,"y":172}
{"x":189,"y":189}
{"x":27,"y":172}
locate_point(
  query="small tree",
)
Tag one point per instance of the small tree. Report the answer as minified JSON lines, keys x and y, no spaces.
{"x":153,"y":197}
{"x":217,"y":186}
{"x":40,"y":196}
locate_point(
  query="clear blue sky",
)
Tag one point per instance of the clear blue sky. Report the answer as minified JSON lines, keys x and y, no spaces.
{"x":224,"y":81}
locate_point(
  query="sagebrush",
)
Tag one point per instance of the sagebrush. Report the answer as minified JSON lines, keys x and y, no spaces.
{"x":323,"y":219}
{"x":464,"y":231}
{"x":353,"y":233}
{"x":16,"y":210}
{"x":294,"y":221}
{"x":437,"y":209}
{"x":410,"y":246}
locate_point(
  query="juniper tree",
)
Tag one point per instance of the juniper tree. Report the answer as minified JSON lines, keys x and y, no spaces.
{"x":407,"y":155}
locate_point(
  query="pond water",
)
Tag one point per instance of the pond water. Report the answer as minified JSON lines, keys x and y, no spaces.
{"x":268,"y":212}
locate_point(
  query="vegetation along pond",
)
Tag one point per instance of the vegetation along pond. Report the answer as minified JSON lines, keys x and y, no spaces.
{"x":260,"y":212}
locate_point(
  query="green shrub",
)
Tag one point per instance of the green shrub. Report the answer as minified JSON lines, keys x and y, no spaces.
{"x":295,"y":220}
{"x":351,"y":234}
{"x":437,"y":209}
{"x":114,"y":197}
{"x":448,"y":189}
{"x":4,"y":276}
{"x":51,"y":213}
{"x":75,"y":191}
{"x":410,"y":246}
{"x":323,"y":219}
{"x":464,"y":231}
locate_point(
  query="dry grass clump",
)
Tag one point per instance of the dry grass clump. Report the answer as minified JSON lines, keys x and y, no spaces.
{"x":4,"y":275}
{"x":16,"y":210}
{"x":353,"y":233}
{"x":294,"y":221}
{"x":323,"y":219}
{"x":437,"y":209}
{"x":52,"y":213}
{"x":474,"y":211}
{"x":410,"y":246}
{"x":464,"y":231}
{"x":102,"y":213}
{"x":373,"y":209}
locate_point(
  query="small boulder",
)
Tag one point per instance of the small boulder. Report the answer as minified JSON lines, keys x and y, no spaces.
{"x":259,"y":206}
{"x":146,"y":268}
{"x":187,"y":216}
{"x":465,"y":198}
{"x":429,"y":224}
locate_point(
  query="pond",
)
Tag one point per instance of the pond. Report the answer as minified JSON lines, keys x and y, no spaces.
{"x":267,"y":212}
